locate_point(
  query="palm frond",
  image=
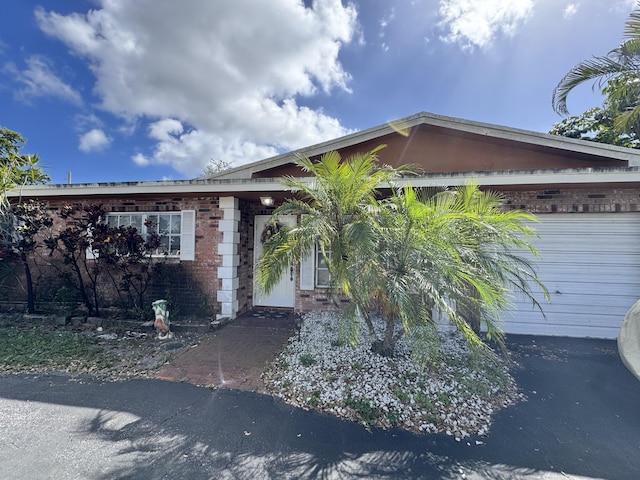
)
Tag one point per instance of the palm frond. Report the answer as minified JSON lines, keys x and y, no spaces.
{"x":601,"y":68}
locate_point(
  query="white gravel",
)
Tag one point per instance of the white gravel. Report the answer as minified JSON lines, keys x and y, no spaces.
{"x":319,"y":371}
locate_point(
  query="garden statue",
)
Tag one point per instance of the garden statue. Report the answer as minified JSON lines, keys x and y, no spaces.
{"x":162,"y":319}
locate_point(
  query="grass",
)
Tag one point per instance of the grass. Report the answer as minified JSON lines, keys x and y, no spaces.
{"x":307,"y":360}
{"x":35,"y":347}
{"x":40,"y":347}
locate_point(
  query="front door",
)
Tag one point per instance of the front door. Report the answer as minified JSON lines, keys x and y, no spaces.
{"x":283,"y":294}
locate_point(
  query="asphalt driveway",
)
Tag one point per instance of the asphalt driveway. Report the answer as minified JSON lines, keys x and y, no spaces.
{"x":581,"y":420}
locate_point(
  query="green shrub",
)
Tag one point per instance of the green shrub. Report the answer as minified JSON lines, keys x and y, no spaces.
{"x":306,"y":360}
{"x":366,"y":413}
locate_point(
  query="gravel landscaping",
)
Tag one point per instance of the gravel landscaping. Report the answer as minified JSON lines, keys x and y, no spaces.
{"x":450,"y":390}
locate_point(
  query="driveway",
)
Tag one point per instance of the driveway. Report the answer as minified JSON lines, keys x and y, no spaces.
{"x":581,"y":421}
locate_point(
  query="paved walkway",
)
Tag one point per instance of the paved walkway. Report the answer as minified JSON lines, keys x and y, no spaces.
{"x":236,"y":355}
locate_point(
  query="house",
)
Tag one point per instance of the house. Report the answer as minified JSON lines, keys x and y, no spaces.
{"x":585,"y":195}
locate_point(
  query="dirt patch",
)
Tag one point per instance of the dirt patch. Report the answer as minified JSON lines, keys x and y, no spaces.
{"x":122,"y":353}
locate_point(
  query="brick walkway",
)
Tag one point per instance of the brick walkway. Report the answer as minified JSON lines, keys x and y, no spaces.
{"x":235,"y":355}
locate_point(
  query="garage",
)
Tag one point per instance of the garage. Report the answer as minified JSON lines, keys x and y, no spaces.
{"x":590,"y":264}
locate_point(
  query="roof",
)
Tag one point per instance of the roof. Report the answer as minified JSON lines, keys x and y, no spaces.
{"x":454,"y":124}
{"x":241,"y":182}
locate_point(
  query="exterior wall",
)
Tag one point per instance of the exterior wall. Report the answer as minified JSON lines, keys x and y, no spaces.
{"x":318,"y":299}
{"x":559,"y":200}
{"x":197,"y":283}
{"x":567,"y":200}
{"x":245,"y":268}
{"x":190,"y":285}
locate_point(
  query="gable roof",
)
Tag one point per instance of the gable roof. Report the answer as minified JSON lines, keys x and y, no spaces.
{"x":450,"y":125}
{"x":550,"y":160}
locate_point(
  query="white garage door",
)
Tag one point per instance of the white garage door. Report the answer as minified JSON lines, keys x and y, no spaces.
{"x":590,"y":264}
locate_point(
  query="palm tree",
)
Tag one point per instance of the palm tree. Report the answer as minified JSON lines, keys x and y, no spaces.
{"x":335,"y":207}
{"x":621,"y":63}
{"x":407,"y":254}
{"x":434,"y":249}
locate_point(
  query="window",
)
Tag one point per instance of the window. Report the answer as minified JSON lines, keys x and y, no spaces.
{"x":314,"y":271}
{"x":173,"y":229}
{"x":323,"y":276}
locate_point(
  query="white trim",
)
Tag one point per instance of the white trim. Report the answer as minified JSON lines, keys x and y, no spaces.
{"x":591,"y":176}
{"x":536,"y":177}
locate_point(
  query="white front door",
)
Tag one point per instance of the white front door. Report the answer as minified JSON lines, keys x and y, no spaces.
{"x":283,"y":294}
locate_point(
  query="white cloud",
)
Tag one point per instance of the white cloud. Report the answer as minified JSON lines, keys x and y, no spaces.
{"x":570,"y":10}
{"x":39,"y":80}
{"x":190,"y":151}
{"x":385,"y":21}
{"x":234,"y":78}
{"x":473,"y":23}
{"x":624,"y":6}
{"x":94,"y":140}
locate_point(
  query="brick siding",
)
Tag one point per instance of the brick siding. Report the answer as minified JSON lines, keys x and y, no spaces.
{"x":567,"y":200}
{"x":193,"y":284}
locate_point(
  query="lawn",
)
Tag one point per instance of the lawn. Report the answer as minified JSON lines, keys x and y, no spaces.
{"x":117,"y":354}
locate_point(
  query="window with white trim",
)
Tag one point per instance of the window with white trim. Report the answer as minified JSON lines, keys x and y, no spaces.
{"x":314,"y":271}
{"x":323,"y":276}
{"x":168,"y":226}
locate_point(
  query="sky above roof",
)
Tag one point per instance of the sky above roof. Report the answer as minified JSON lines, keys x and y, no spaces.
{"x":115,"y":90}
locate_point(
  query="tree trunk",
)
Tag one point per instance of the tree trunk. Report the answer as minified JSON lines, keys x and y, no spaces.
{"x":368,"y":322}
{"x":386,"y":346}
{"x":31,"y":304}
{"x":470,"y":310}
{"x":81,"y":286}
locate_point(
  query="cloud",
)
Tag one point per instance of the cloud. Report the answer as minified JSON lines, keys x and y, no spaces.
{"x":624,"y":6}
{"x":385,"y":21}
{"x":570,"y":10}
{"x":39,"y":80}
{"x":473,"y":23}
{"x":235,"y":79}
{"x":94,"y":140}
{"x":190,"y":151}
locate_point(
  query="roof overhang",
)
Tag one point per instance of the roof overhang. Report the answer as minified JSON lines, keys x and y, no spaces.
{"x":251,"y":188}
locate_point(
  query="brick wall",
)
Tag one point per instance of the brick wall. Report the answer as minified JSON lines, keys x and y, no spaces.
{"x":190,"y":285}
{"x":194,"y":283}
{"x":568,"y":200}
{"x":245,"y":250}
{"x":562,"y":200}
{"x":318,"y":299}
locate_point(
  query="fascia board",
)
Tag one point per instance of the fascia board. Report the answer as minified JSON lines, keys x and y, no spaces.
{"x":522,"y":178}
{"x":512,"y":178}
{"x":158,"y":188}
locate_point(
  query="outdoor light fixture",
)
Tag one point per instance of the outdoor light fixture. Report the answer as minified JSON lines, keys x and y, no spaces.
{"x":266,"y":201}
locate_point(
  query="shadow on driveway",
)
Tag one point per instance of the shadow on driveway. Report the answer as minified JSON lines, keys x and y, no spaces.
{"x":581,"y":421}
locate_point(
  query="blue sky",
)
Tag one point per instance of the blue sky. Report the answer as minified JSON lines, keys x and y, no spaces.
{"x":115,"y":90}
